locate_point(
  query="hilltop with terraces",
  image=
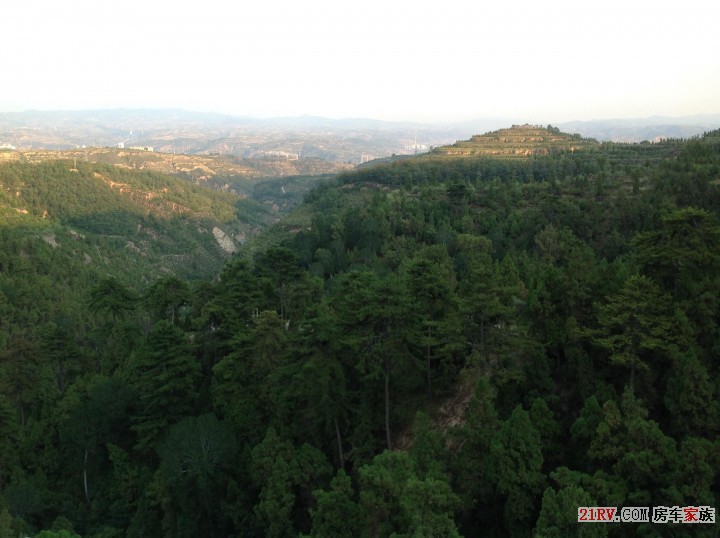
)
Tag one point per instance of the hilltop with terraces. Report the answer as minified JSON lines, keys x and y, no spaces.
{"x":518,"y":141}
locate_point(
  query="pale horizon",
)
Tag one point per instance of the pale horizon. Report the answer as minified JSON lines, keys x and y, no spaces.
{"x":398,"y":61}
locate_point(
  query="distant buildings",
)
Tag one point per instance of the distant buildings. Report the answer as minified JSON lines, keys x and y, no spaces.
{"x":277,"y":155}
{"x":417,"y":147}
{"x":142,"y":148}
{"x":7,"y":146}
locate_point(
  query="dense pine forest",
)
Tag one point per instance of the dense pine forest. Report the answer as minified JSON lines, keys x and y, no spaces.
{"x":445,"y":345}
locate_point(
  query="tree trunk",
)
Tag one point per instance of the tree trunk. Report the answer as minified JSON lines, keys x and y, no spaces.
{"x":482,"y":334}
{"x":339,"y":443}
{"x":85,"y":481}
{"x":60,"y":378}
{"x":428,"y":366}
{"x":387,"y":409}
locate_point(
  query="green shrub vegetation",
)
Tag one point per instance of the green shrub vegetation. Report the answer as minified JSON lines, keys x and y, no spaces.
{"x":448,"y":345}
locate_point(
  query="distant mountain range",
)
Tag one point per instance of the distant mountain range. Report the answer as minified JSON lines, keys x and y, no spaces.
{"x":640,"y":129}
{"x":178,"y":131}
{"x":349,"y":140}
{"x":649,"y":129}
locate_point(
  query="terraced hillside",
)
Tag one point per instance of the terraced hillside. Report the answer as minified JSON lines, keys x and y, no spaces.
{"x":224,"y":172}
{"x":518,"y":141}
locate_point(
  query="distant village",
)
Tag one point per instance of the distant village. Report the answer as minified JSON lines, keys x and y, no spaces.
{"x":121,"y":145}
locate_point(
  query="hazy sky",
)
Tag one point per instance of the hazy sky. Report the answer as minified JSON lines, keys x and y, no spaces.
{"x":544,"y":62}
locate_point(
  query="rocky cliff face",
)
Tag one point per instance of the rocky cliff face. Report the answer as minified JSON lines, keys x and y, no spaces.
{"x":224,"y":241}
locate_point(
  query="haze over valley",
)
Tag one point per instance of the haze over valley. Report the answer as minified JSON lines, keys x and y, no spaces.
{"x":303,"y":138}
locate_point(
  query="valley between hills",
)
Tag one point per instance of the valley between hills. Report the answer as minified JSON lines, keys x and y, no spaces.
{"x":479,"y":338}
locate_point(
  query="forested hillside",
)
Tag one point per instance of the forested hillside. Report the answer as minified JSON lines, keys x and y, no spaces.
{"x":448,"y":345}
{"x":144,"y":222}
